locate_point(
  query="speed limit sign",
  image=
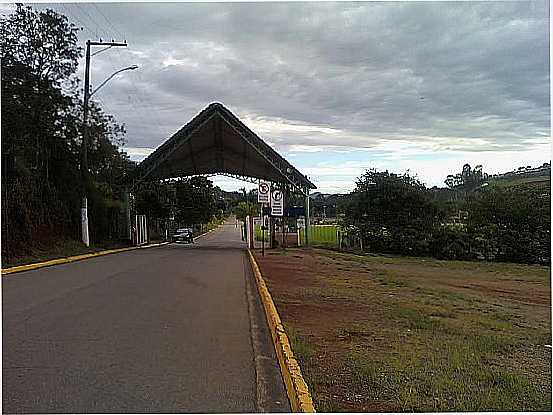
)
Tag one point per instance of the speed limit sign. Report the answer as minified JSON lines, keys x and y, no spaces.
{"x":263,"y":192}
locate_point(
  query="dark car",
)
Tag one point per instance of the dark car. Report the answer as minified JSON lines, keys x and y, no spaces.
{"x":183,"y":235}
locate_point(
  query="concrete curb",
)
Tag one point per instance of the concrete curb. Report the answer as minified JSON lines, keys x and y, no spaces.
{"x":298,"y":392}
{"x":58,"y":261}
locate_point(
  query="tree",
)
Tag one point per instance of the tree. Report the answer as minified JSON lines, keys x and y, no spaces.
{"x":245,"y":208}
{"x":513,"y":223}
{"x":195,"y":200}
{"x":41,"y":137}
{"x":395,"y":213}
{"x":468,"y":180}
{"x":39,"y":55}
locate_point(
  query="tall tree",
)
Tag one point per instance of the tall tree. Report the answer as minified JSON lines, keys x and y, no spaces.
{"x":395,"y":213}
{"x":41,"y":136}
{"x":195,"y":200}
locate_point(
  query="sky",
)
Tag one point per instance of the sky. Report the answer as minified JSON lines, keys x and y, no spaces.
{"x":336,"y":88}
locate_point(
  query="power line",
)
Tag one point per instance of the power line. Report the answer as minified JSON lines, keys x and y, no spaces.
{"x":108,"y":21}
{"x":74,"y":18}
{"x":156,"y":118}
{"x":88,"y":17}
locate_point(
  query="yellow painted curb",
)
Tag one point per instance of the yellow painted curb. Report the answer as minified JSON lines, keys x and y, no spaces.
{"x":57,"y":261}
{"x":298,"y":392}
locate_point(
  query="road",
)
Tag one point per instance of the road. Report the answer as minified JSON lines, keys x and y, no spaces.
{"x":164,"y":329}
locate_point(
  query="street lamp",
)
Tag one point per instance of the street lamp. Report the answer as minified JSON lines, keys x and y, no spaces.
{"x":87,"y":95}
{"x":129,"y":68}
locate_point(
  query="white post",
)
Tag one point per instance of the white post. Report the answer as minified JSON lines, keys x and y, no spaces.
{"x":307,"y":216}
{"x":84,"y":222}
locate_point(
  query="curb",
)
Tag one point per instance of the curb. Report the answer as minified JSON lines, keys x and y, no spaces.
{"x":298,"y":392}
{"x":58,"y":261}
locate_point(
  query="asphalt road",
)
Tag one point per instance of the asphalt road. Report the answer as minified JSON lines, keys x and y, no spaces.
{"x":176,"y":328}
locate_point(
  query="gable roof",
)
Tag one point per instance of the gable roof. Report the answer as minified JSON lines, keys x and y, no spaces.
{"x":216,"y":141}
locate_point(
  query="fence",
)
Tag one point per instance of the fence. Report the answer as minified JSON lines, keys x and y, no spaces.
{"x":320,"y":235}
{"x":139,"y":230}
{"x":331,"y":236}
{"x":258,"y":233}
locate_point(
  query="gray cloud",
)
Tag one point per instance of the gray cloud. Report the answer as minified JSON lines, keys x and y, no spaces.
{"x":468,"y":76}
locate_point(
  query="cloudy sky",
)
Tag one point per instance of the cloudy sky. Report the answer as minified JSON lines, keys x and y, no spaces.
{"x":337,"y":87}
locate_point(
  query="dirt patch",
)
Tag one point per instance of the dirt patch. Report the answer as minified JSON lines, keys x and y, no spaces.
{"x":380,"y":334}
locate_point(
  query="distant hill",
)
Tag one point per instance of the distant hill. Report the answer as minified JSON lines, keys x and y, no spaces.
{"x":523,"y":176}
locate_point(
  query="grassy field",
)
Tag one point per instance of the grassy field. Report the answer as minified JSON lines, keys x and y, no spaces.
{"x":321,"y":235}
{"x":540,"y":181}
{"x":388,"y":334}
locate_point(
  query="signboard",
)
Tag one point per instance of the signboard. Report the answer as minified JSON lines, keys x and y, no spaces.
{"x":257,"y":221}
{"x":277,"y":203}
{"x":263,"y":192}
{"x":300,"y":223}
{"x":294,"y":211}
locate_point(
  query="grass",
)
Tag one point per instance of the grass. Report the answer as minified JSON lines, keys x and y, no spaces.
{"x":543,"y":181}
{"x":389,"y":334}
{"x":321,"y":235}
{"x":456,"y":375}
{"x":65,"y":248}
{"x":259,"y":233}
{"x":59,"y":249}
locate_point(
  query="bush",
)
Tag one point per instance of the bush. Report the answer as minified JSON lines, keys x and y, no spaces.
{"x":451,"y":242}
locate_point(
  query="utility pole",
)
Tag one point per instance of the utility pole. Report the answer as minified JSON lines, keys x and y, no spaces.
{"x":84,"y":168}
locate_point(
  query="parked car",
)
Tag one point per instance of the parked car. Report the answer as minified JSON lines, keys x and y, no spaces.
{"x":183,"y":235}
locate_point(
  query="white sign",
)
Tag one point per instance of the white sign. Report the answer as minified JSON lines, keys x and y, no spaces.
{"x":257,"y":221}
{"x":277,"y":203}
{"x":263,"y":192}
{"x":300,"y":223}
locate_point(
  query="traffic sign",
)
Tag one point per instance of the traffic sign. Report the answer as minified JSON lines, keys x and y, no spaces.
{"x":277,"y":203}
{"x":263,"y":192}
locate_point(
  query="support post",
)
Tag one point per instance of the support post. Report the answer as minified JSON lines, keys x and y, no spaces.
{"x":272,"y":231}
{"x":251,"y":233}
{"x":84,"y":166}
{"x":262,"y":232}
{"x":127,"y":205}
{"x":84,"y":161}
{"x":307,"y":216}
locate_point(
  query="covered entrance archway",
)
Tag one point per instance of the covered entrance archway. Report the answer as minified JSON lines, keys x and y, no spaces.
{"x":216,"y":142}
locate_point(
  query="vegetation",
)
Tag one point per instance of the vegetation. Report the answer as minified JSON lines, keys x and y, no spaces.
{"x":42,"y":129}
{"x":397,"y":214}
{"x":41,"y":139}
{"x":393,"y":334}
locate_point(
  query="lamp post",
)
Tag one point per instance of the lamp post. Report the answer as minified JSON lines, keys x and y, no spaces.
{"x":87,"y":95}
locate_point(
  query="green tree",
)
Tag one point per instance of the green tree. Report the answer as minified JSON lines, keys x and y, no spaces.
{"x":395,"y":213}
{"x":195,"y":200}
{"x":246,"y":208}
{"x":511,"y":224}
{"x":41,"y":137}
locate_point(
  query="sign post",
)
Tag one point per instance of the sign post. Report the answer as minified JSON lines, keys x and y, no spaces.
{"x":263,"y":197}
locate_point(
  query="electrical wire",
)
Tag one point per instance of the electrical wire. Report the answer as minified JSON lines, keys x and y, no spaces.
{"x":90,"y":19}
{"x":75,"y":19}
{"x":108,"y":21}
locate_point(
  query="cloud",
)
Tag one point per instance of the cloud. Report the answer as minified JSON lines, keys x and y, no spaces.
{"x":395,"y":79}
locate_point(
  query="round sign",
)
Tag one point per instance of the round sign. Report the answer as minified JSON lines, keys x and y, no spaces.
{"x":263,"y":188}
{"x":277,"y":195}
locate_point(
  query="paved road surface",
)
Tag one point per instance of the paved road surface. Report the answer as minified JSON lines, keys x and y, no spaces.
{"x":164,"y":329}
